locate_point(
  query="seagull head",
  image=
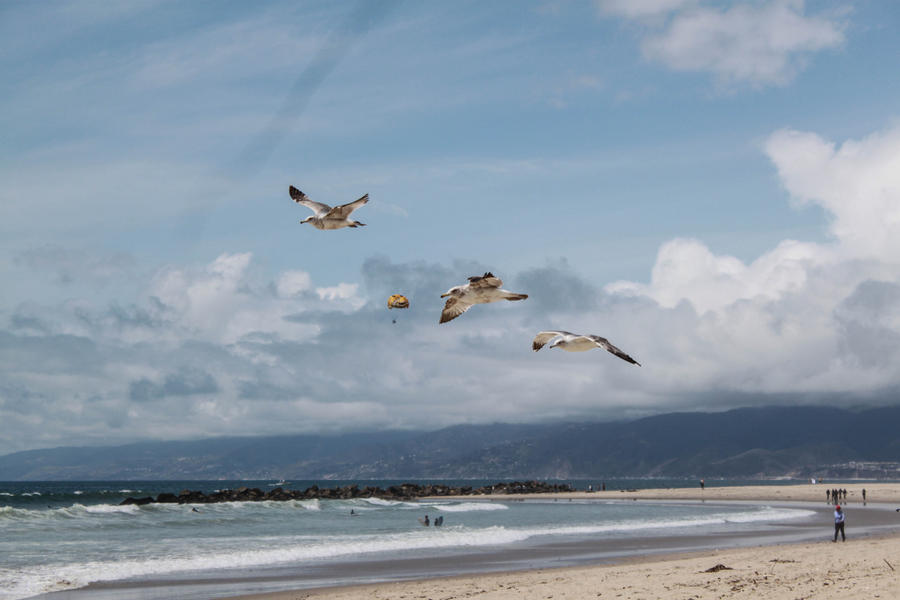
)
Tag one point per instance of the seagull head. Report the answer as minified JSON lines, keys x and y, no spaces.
{"x":454,"y":291}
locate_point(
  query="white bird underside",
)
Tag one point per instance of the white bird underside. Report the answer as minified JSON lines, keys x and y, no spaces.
{"x":573,"y":342}
{"x":326,"y":217}
{"x":479,"y":290}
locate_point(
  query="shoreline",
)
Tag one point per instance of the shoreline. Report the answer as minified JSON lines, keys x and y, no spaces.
{"x":781,"y":570}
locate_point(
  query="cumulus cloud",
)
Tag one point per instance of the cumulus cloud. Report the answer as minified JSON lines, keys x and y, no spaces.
{"x":757,"y":43}
{"x":858,"y":184}
{"x":686,"y":269}
{"x":803,"y":317}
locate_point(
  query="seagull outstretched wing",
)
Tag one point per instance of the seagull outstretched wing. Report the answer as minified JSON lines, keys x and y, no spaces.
{"x":343,"y":211}
{"x":317,"y":207}
{"x":453,"y":308}
{"x":604,"y":343}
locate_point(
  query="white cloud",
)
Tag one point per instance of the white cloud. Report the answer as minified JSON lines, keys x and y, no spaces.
{"x":857,"y":183}
{"x":292,"y":283}
{"x":635,"y":9}
{"x":803,"y":317}
{"x":686,"y":269}
{"x":759,"y":43}
{"x":342,"y":291}
{"x":228,"y":301}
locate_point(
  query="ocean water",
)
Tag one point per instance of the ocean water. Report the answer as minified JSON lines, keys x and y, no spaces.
{"x":63,"y":536}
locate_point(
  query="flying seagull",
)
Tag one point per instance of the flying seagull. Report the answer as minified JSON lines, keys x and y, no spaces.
{"x":479,"y":290}
{"x":326,"y":217}
{"x":572,"y":342}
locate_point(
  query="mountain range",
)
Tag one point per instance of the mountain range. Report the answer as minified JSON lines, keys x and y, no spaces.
{"x":741,"y":443}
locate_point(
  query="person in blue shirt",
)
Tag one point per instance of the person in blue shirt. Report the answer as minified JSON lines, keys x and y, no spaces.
{"x":839,"y":523}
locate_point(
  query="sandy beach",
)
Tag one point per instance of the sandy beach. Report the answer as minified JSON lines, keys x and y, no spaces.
{"x":865,"y":566}
{"x":875,"y":492}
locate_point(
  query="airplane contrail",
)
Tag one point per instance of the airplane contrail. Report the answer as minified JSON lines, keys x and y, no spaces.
{"x":348,"y":33}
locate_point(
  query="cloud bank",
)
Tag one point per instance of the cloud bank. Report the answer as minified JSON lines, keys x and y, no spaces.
{"x":228,"y":348}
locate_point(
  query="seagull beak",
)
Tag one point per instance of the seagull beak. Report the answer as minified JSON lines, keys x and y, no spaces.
{"x":444,"y":295}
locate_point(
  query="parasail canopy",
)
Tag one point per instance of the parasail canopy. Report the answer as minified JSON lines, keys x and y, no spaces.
{"x":398,"y":301}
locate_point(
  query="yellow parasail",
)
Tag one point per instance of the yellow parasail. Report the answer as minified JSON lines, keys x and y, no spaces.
{"x":398,"y":301}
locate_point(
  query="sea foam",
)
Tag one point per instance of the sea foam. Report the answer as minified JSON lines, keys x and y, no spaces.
{"x":42,"y":579}
{"x":467,"y":506}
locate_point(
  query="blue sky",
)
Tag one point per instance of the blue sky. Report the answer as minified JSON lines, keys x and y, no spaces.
{"x":711,"y":185}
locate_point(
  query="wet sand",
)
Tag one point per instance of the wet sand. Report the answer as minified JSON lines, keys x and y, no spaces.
{"x":861,"y":568}
{"x":785,"y":562}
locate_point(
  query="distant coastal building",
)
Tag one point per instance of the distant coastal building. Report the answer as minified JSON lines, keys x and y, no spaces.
{"x":861,"y":470}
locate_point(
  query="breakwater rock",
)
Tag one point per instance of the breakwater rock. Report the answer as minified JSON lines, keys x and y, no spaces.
{"x":406,"y":491}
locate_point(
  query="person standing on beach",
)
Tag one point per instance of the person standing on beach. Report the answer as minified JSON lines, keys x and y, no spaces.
{"x":828,"y":496}
{"x":702,"y":484}
{"x":839,"y":523}
{"x":864,"y":495}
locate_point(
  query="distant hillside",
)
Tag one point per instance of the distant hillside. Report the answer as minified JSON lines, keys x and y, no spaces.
{"x":742,"y":443}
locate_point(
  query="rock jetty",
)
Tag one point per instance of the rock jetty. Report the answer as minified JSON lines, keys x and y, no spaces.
{"x":406,"y":491}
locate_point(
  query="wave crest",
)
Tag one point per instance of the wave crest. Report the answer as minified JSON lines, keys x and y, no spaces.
{"x":470,"y":507}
